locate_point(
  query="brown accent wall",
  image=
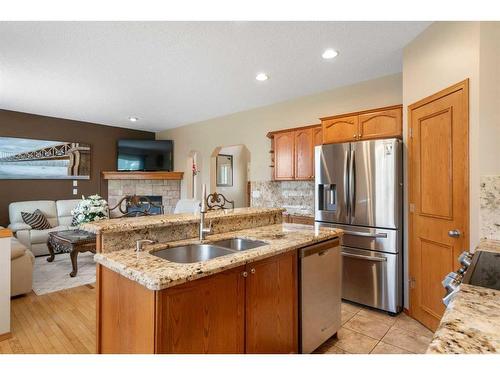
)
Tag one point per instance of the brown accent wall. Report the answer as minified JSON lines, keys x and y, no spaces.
{"x":102,"y":139}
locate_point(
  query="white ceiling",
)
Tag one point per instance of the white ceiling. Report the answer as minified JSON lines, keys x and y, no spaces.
{"x":174,"y":73}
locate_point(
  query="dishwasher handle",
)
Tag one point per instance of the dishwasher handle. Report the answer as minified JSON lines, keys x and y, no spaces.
{"x":319,"y":248}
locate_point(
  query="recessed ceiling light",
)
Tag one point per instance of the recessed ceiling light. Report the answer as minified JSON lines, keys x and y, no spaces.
{"x":329,"y":54}
{"x":261,"y":77}
{"x":133,"y":119}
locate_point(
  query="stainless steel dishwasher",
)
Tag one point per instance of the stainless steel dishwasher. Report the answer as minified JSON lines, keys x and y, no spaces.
{"x":320,"y":293}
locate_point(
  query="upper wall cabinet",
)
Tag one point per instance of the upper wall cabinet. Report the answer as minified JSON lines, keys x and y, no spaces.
{"x":382,"y":124}
{"x":304,"y":154}
{"x":284,"y":156}
{"x":372,"y":124}
{"x":293,"y":152}
{"x":341,"y":129}
{"x":318,"y":135}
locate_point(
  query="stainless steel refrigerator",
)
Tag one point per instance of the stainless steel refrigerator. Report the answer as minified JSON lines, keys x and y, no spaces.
{"x":359,"y":188}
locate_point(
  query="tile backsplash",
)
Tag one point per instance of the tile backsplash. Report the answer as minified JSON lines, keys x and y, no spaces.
{"x":490,"y":207}
{"x":297,"y":197}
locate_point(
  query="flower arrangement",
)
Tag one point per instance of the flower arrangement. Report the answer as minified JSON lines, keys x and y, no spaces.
{"x":90,"y":209}
{"x":195,"y":169}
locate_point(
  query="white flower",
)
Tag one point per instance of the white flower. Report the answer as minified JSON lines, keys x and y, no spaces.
{"x":90,"y":209}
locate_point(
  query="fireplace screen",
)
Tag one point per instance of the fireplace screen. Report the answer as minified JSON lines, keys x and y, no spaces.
{"x":144,"y":205}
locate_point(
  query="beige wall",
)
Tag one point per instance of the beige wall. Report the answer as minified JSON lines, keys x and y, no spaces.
{"x":241,"y":159}
{"x":447,"y":53}
{"x":250,"y":127}
{"x":489,"y":93}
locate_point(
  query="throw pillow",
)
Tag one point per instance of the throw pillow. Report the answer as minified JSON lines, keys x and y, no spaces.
{"x":36,"y":220}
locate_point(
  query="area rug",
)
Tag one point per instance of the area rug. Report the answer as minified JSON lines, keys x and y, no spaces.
{"x":51,"y":277}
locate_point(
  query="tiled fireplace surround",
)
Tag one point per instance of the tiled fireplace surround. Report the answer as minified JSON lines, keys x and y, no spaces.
{"x":169,"y":190}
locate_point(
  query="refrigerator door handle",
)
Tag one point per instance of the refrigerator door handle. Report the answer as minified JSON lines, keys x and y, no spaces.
{"x":362,"y":234}
{"x":346,"y":183}
{"x":356,"y":256}
{"x":352,"y":185}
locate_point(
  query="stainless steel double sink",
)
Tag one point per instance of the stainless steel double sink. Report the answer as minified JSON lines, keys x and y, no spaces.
{"x":202,"y":252}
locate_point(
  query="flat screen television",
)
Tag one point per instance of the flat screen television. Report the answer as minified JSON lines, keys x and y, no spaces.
{"x":145,"y":155}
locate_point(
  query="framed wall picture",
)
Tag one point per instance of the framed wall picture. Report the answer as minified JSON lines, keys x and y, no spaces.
{"x":224,"y":168}
{"x":30,"y":159}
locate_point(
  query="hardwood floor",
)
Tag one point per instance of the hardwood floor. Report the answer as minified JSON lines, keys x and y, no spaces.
{"x":60,"y":322}
{"x":64,"y":322}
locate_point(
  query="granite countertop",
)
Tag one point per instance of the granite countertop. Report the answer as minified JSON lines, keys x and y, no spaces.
{"x":156,"y":273}
{"x":300,"y":213}
{"x":155,"y":221}
{"x":471,"y":322}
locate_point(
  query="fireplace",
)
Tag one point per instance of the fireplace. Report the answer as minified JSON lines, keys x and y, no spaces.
{"x":168,"y":190}
{"x":144,"y":205}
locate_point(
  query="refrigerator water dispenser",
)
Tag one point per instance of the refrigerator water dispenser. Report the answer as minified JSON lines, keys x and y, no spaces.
{"x":327,"y":197}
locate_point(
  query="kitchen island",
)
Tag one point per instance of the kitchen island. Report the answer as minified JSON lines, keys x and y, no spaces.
{"x":471,"y":322}
{"x":243,"y":302}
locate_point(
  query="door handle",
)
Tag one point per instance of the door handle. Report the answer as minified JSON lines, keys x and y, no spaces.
{"x":362,"y":234}
{"x":455,"y":233}
{"x":356,"y":256}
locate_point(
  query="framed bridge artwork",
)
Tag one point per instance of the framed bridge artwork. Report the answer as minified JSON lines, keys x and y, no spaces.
{"x":22,"y":158}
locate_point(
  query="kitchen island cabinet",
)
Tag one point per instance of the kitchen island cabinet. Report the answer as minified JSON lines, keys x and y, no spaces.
{"x":271,"y":305}
{"x":247,"y":309}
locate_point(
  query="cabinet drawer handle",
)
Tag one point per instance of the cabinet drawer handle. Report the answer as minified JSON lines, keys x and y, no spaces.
{"x":244,"y":274}
{"x":252,"y":271}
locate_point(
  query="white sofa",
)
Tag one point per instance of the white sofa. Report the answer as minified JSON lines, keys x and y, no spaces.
{"x":21,"y":268}
{"x":58,"y":214}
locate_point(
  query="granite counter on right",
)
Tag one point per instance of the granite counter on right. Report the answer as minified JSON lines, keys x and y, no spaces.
{"x":471,"y":322}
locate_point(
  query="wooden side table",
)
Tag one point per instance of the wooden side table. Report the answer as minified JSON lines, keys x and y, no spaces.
{"x":72,"y":242}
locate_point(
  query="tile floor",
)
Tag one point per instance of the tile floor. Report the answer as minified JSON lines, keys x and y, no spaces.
{"x":366,"y":331}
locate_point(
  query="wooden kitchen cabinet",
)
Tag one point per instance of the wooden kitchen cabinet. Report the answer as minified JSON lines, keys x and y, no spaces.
{"x":371,"y":124}
{"x":292,"y":152}
{"x":272,"y":306}
{"x":203,"y":316}
{"x":304,"y":154}
{"x":248,"y":309}
{"x":381,"y":124}
{"x":318,"y":136}
{"x":341,"y":129}
{"x":284,"y":156}
{"x":125,"y":315}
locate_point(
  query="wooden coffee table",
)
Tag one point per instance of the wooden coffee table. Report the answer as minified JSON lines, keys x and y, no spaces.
{"x":72,"y":242}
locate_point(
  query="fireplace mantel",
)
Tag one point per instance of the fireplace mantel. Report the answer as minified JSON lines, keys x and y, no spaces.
{"x":116,"y":175}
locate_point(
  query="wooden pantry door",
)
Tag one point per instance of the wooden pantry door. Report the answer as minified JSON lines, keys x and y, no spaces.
{"x":438,"y":147}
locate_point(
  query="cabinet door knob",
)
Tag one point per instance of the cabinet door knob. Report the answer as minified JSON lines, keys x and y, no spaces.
{"x":454,"y":233}
{"x":252,"y":271}
{"x":244,"y":274}
{"x":354,"y":136}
